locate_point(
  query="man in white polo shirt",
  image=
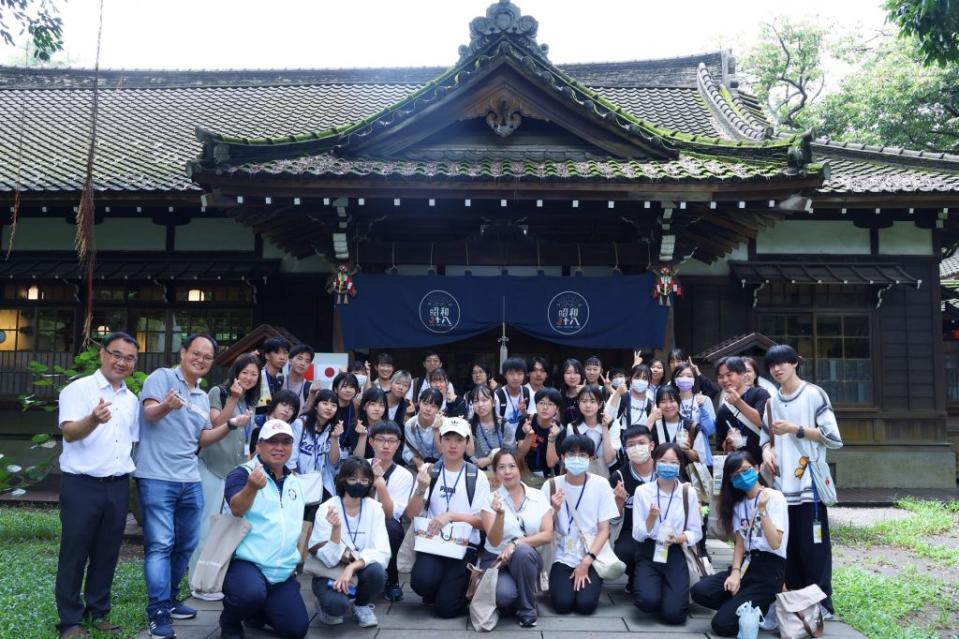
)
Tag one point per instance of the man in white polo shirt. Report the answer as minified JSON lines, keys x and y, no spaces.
{"x":99,"y":419}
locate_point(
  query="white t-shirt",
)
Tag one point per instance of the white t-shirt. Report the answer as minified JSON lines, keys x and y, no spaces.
{"x":107,"y":450}
{"x":596,"y":503}
{"x":400,"y":487}
{"x":808,"y":406}
{"x":671,"y":512}
{"x":364,"y":534}
{"x":776,"y":510}
{"x":518,"y":522}
{"x":449,"y":495}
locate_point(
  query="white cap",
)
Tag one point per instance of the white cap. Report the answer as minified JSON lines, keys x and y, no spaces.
{"x":275,"y":427}
{"x":456,"y":425}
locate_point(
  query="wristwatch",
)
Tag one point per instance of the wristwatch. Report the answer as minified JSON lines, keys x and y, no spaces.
{"x":591,"y":554}
{"x":230,"y":424}
{"x":801,"y":433}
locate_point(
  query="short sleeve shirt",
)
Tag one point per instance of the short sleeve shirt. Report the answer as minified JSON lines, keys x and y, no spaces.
{"x":106,"y":451}
{"x":168,"y":447}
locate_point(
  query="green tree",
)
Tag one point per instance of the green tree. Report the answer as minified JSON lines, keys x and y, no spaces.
{"x":893,"y":99}
{"x":932,"y":26}
{"x":786,"y":69}
{"x":38,"y":18}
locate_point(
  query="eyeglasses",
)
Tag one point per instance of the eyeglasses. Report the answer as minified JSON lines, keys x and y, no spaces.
{"x":117,"y":356}
{"x":200,"y":356}
{"x":387,"y":441}
{"x":545,"y":402}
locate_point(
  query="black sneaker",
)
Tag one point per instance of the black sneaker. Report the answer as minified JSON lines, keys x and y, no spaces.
{"x":393,"y":592}
{"x":529,"y":622}
{"x":180,"y":610}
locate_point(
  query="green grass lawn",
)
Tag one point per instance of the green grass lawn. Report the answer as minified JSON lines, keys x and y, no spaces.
{"x":29,"y":542}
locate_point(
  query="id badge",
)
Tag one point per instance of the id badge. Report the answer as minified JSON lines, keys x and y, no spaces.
{"x":816,"y":532}
{"x":569,"y":543}
{"x":660,"y":554}
{"x":744,"y":567}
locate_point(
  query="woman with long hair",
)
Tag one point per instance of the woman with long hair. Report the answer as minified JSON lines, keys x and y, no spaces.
{"x":573,"y":376}
{"x":757,"y":517}
{"x":489,"y":431}
{"x":232,"y":403}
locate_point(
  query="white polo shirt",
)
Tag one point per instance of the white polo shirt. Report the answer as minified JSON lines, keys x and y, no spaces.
{"x":106,"y":451}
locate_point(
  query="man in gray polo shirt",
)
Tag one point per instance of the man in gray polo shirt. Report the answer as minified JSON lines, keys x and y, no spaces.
{"x":174,"y":424}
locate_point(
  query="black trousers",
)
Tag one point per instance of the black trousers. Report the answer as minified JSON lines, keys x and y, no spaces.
{"x":626,"y":548}
{"x":809,"y":563}
{"x":93,"y":514}
{"x":394,"y":530}
{"x":662,"y":589}
{"x":762,"y":581}
{"x":442,"y":581}
{"x":564,"y":599}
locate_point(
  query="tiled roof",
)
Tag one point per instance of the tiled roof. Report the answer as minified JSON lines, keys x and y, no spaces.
{"x":873,"y":176}
{"x":681,"y":170}
{"x":949,"y":268}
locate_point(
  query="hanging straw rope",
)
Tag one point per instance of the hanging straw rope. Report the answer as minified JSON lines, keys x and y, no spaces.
{"x":85,"y":241}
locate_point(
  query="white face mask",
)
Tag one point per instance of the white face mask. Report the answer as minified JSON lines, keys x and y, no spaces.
{"x":618,"y":381}
{"x":639,"y":385}
{"x":362,"y":380}
{"x":639,"y":453}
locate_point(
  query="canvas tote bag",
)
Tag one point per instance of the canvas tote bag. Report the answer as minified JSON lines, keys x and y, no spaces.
{"x":226,"y":533}
{"x":799,"y":613}
{"x":483,"y":612}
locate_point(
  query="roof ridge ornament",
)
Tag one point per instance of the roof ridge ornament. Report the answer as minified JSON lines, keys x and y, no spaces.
{"x":503,"y":18}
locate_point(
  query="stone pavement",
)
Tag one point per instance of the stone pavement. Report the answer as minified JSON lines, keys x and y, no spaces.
{"x":616,"y":618}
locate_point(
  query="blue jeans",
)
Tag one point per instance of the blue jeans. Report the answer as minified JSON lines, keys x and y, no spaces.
{"x":171,"y":528}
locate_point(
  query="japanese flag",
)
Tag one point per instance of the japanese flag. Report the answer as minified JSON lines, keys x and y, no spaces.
{"x":326,"y":366}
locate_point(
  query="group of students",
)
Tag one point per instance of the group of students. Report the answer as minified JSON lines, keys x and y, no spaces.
{"x":543,"y":478}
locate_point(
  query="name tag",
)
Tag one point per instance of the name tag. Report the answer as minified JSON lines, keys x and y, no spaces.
{"x":816,"y":532}
{"x":660,"y":554}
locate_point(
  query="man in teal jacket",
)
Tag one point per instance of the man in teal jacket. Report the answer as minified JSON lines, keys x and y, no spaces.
{"x":260,"y":587}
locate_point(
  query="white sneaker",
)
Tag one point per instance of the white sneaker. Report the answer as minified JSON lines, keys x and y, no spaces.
{"x":364,"y":616}
{"x":207,"y":596}
{"x":329,"y":620}
{"x":769,"y":619}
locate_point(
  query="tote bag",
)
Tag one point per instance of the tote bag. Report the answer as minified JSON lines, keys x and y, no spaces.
{"x":607,"y":564}
{"x":483,"y":612}
{"x":312,"y":485}
{"x":226,"y":533}
{"x":799,"y":613}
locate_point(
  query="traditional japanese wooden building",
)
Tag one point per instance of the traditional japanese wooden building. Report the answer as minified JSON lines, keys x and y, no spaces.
{"x":226,"y":199}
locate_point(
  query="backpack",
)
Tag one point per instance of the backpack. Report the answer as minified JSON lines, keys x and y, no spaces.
{"x":471,"y":472}
{"x":505,"y":402}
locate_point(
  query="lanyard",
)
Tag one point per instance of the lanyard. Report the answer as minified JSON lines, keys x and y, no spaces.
{"x":513,"y":405}
{"x":447,"y":495}
{"x":687,"y":410}
{"x":569,"y":513}
{"x":516,"y":511}
{"x":499,"y":435}
{"x":418,"y":432}
{"x":664,"y":515}
{"x":752,"y":522}
{"x":346,"y":518}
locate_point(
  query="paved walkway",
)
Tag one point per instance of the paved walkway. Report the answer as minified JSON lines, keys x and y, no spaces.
{"x":616,"y":618}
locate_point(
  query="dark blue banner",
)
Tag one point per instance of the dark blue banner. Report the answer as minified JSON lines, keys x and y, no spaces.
{"x":395,"y":311}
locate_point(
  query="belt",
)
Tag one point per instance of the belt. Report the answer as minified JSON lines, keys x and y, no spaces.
{"x":107,"y":479}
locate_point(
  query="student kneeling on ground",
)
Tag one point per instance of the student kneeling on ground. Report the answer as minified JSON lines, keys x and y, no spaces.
{"x":639,"y":470}
{"x":665,"y":517}
{"x":260,"y":587}
{"x":574,"y":585}
{"x":518,"y":521}
{"x":452,"y":491}
{"x":351,"y":525}
{"x":758,"y":518}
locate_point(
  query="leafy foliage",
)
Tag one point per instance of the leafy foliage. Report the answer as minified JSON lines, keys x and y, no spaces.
{"x":39,"y":19}
{"x":931,"y":25}
{"x":785,"y":69}
{"x":894,"y":99}
{"x":34,"y":463}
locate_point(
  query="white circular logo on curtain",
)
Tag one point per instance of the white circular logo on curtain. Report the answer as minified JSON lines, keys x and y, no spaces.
{"x":567,"y":313}
{"x":439,"y":312}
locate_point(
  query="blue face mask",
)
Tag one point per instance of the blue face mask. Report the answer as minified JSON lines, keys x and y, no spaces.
{"x":745,"y":480}
{"x":666,"y":470}
{"x":576,"y":465}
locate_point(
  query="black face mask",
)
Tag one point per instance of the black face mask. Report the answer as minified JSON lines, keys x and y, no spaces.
{"x":357,"y":491}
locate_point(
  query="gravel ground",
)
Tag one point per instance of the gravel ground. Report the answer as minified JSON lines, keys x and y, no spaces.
{"x":863,"y":517}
